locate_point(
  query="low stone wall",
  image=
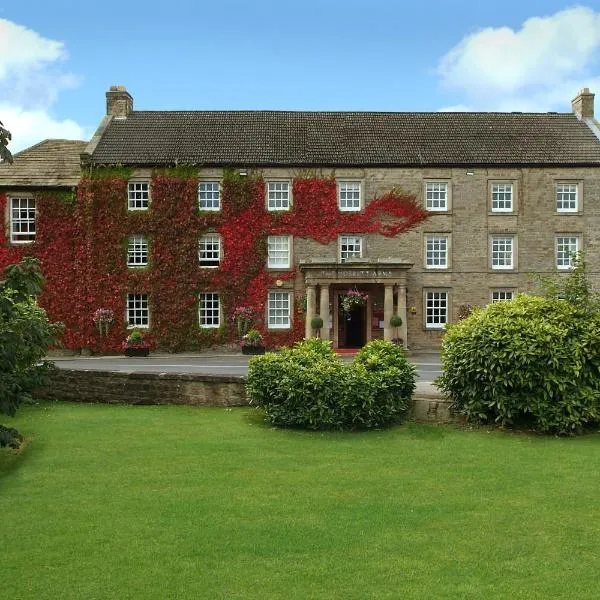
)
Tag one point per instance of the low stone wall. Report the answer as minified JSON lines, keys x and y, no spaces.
{"x":172,"y":388}
{"x":145,"y":388}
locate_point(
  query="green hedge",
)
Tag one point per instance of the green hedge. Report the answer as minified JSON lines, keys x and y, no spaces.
{"x":532,"y":362}
{"x":309,"y":386}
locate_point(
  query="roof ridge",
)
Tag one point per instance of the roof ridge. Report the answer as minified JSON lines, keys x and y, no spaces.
{"x":348,"y":112}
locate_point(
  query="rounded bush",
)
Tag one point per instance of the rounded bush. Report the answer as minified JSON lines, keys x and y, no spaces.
{"x":309,"y":386}
{"x":531,"y":361}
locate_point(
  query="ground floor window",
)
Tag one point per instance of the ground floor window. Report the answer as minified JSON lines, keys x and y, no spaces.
{"x":436,"y":309}
{"x":279,"y":310}
{"x":499,"y":295}
{"x":138,"y":312}
{"x":209,"y":310}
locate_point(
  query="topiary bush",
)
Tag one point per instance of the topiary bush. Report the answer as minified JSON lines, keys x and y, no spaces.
{"x":531,"y":361}
{"x":309,"y":386}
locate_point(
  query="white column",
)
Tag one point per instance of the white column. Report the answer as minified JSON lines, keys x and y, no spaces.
{"x":324,"y":310}
{"x":310,"y":310}
{"x":402,"y":314}
{"x":388,"y":311}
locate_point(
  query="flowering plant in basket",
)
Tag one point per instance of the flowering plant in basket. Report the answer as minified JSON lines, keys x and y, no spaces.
{"x":137,"y":340}
{"x":353,"y":298}
{"x":253,"y":339}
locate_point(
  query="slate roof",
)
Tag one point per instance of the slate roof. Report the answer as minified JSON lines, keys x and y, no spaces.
{"x":51,"y":163}
{"x":305,"y":139}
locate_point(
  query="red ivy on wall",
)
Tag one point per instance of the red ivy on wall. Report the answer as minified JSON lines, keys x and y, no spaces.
{"x":83,"y":248}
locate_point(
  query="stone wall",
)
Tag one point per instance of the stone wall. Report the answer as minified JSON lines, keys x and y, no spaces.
{"x":145,"y":388}
{"x":205,"y":390}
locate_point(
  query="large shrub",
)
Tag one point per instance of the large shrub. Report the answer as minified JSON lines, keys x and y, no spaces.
{"x":25,"y":334}
{"x":531,"y":361}
{"x":309,"y":386}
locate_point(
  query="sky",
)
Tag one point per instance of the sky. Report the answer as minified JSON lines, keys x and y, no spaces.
{"x":57,"y":59}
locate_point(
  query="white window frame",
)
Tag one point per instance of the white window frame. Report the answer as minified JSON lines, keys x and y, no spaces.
{"x":496,"y":240}
{"x":279,"y":309}
{"x":212,"y":197}
{"x":433,"y":187}
{"x":278,"y":247}
{"x":209,"y":317}
{"x":344,"y":240}
{"x":433,"y":312}
{"x":564,"y":258}
{"x":433,"y":253}
{"x":503,"y":188}
{"x":278,"y":198}
{"x":206,"y":244}
{"x":509,"y":294}
{"x":346,"y":193}
{"x":28,"y":221}
{"x":135,"y":306}
{"x":137,"y":251}
{"x":132,"y":194}
{"x":561,"y":191}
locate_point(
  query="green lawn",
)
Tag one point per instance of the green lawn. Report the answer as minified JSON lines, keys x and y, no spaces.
{"x":117,"y":502}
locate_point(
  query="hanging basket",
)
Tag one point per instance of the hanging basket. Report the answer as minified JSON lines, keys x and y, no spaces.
{"x":352,"y":299}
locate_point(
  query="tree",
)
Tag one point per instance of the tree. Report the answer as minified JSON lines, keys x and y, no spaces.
{"x":25,"y":335}
{"x":5,"y":138}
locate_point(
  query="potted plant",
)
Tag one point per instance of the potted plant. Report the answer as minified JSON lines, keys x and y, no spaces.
{"x":103,"y":319}
{"x":317,"y":323}
{"x":395,"y":322}
{"x":352,"y":299}
{"x":252,"y":343}
{"x":136,"y":344}
{"x":243,"y":316}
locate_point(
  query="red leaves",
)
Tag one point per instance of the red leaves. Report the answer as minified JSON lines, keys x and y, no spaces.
{"x":83,"y":252}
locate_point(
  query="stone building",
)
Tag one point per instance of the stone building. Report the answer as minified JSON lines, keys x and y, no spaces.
{"x":509,"y":195}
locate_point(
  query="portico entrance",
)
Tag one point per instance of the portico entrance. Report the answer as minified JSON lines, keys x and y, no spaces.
{"x":384,"y":284}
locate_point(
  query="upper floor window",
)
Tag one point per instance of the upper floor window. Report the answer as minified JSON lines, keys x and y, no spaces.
{"x":436,"y":251}
{"x":138,"y":312}
{"x":349,"y":195}
{"x":22,"y":220}
{"x":436,"y":310}
{"x":278,"y":251}
{"x":567,"y":197}
{"x":138,"y":195}
{"x":567,"y":247}
{"x":279,"y":310}
{"x":137,"y":251}
{"x":502,"y":252}
{"x":209,"y":195}
{"x":278,"y":195}
{"x":500,"y":295}
{"x":502,"y":197}
{"x":350,"y":247}
{"x":209,"y":310}
{"x":436,"y":196}
{"x":209,"y":250}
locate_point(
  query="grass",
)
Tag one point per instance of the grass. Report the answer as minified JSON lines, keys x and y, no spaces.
{"x":118,"y":502}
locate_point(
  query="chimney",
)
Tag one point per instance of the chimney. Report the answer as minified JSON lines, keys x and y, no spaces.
{"x":583,"y":104}
{"x":119,"y":102}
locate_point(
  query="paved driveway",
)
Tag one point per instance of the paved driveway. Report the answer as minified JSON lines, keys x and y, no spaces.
{"x":428,"y":365}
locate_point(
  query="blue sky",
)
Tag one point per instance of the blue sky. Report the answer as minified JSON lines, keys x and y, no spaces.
{"x":57,"y":59}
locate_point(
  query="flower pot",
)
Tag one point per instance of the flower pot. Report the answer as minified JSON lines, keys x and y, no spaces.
{"x":253,"y":349}
{"x":137,"y":351}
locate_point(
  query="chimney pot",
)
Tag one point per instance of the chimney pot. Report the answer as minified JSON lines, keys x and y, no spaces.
{"x":119,"y":102}
{"x":583,"y":104}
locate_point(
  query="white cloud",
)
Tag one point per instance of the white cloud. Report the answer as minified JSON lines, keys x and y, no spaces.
{"x":539,"y":67}
{"x":31,"y":80}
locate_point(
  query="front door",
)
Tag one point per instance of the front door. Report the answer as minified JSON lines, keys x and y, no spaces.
{"x":352,"y":327}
